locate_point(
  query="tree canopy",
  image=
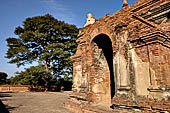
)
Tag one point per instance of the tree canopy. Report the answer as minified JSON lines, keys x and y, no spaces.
{"x":45,"y":40}
{"x":38,"y":76}
{"x":35,"y":75}
{"x":3,"y":78}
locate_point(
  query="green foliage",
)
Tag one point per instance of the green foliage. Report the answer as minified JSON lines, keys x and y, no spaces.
{"x":35,"y":75}
{"x":66,"y":83}
{"x":45,"y":40}
{"x":3,"y":78}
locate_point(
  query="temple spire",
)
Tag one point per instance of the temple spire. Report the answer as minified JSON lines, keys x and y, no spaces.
{"x":125,"y":3}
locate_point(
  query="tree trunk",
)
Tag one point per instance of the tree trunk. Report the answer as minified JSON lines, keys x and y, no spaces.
{"x":47,"y":84}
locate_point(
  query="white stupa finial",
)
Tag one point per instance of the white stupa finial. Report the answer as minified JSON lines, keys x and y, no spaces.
{"x":125,"y":3}
{"x":90,"y":19}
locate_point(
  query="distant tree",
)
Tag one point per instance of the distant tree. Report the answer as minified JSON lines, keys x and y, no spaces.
{"x":45,"y":40}
{"x":35,"y":75}
{"x":3,"y":78}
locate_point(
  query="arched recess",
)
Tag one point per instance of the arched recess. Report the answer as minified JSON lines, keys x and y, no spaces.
{"x":102,"y":76}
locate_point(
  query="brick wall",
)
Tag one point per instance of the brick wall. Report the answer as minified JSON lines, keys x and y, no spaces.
{"x":14,"y":88}
{"x":23,"y":88}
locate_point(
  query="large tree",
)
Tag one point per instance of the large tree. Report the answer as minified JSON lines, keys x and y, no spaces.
{"x":45,"y":40}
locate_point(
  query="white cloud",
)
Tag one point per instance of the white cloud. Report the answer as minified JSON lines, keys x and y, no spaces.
{"x":59,"y":9}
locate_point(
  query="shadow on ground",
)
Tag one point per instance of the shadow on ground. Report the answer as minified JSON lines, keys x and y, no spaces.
{"x":5,"y":94}
{"x":5,"y":108}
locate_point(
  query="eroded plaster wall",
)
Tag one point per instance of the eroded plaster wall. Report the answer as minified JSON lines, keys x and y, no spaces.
{"x":142,"y":74}
{"x":77,"y":77}
{"x":121,"y":70}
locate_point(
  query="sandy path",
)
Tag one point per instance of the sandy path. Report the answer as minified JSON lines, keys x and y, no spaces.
{"x":35,"y":102}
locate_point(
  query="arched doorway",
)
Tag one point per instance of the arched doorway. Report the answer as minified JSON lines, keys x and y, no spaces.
{"x":102,"y":53}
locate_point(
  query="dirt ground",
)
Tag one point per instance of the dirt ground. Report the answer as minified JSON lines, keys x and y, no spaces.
{"x":33,"y":102}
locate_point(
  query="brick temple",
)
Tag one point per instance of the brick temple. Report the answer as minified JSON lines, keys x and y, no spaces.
{"x":123,"y":61}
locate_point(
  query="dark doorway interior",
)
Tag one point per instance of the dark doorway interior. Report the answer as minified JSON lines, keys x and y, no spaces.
{"x":103,"y":42}
{"x":168,"y":15}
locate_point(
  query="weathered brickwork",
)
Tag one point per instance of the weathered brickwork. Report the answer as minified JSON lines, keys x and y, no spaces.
{"x":14,"y":88}
{"x":4,"y":88}
{"x":123,"y":60}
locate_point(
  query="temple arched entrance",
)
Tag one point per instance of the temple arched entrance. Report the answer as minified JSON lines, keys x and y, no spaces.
{"x":103,"y":85}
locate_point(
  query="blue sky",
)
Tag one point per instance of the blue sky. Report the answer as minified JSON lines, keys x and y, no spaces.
{"x":14,"y":12}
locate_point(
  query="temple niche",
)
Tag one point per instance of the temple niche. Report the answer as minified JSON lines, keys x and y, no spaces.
{"x":123,"y":60}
